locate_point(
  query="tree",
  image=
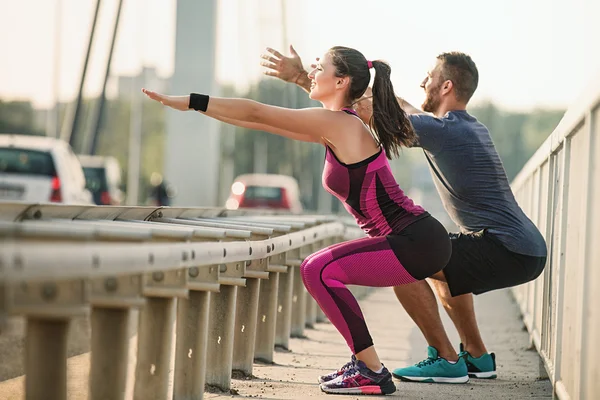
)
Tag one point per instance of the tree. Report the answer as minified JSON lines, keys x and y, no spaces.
{"x":516,"y":135}
{"x":18,"y":117}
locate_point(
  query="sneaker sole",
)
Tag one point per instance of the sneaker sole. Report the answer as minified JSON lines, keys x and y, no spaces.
{"x":387,"y":388}
{"x":484,"y":375}
{"x":431,"y":379}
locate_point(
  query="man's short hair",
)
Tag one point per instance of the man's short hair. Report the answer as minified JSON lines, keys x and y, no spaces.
{"x":462,"y":71}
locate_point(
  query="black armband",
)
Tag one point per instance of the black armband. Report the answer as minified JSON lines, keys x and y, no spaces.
{"x":198,"y":102}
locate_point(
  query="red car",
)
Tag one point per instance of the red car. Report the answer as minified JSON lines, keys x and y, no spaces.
{"x":265,"y":191}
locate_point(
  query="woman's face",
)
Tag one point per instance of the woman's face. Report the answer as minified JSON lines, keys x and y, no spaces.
{"x":323,"y":80}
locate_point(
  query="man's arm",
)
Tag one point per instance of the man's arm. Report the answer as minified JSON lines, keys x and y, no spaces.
{"x":407,"y":107}
{"x":429,"y":130}
{"x":364,"y":106}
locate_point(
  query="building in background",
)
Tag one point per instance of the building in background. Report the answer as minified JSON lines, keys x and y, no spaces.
{"x":147,"y":78}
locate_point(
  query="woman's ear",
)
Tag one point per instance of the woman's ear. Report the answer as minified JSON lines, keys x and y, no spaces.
{"x":343,"y":82}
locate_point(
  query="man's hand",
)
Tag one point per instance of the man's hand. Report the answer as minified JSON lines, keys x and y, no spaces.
{"x":364,"y":106}
{"x":288,"y":69}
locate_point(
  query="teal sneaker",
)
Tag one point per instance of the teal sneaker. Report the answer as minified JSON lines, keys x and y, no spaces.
{"x":434,"y":369}
{"x":483,"y":367}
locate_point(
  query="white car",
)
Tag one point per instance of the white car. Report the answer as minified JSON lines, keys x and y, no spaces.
{"x":103,"y":178}
{"x":39,"y":169}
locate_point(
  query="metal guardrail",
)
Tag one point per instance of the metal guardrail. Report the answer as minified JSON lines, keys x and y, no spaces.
{"x":559,"y":188}
{"x":228,"y":280}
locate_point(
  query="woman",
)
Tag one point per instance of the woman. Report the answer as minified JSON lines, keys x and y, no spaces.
{"x":404,"y":242}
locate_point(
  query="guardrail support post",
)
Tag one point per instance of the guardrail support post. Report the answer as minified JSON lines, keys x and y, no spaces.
{"x":311,"y":312}
{"x":245,"y":326}
{"x":191,"y":347}
{"x":298,"y":304}
{"x":267,"y":318}
{"x":320,"y":315}
{"x":109,"y":353}
{"x":46,"y":359}
{"x":155,"y":340}
{"x":283,"y":328}
{"x":220,"y":337}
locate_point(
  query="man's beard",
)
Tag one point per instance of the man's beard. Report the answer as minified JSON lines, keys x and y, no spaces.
{"x":431,"y":103}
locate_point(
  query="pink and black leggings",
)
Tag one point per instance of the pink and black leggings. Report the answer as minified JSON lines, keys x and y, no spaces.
{"x":417,"y":252}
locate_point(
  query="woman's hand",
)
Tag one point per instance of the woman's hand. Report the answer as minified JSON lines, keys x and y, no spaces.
{"x":181,"y":103}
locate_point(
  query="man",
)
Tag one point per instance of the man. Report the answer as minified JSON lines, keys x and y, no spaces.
{"x":498,"y":246}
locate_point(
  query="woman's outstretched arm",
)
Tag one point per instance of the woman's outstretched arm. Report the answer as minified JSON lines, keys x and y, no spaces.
{"x":314,"y":122}
{"x":265,"y":128}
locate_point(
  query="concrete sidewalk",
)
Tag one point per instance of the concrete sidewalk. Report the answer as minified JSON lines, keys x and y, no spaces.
{"x":400,"y":343}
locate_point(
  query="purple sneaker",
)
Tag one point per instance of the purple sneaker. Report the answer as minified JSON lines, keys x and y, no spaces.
{"x":335,"y":374}
{"x":361,"y":380}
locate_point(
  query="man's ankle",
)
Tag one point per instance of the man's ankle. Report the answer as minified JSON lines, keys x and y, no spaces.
{"x":475,"y":351}
{"x":450,"y":357}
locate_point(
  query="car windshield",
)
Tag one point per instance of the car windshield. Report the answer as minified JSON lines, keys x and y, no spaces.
{"x":27,"y":162}
{"x":95,"y":179}
{"x":263,"y":193}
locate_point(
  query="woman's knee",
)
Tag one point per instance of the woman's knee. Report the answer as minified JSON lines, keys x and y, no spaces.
{"x":310,"y":270}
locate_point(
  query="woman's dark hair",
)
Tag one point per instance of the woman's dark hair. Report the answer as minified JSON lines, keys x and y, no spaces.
{"x":389,"y":122}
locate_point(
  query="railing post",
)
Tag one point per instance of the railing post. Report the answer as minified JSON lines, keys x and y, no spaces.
{"x":155,"y":340}
{"x":245,"y":326}
{"x":191,"y":347}
{"x":48,"y":308}
{"x":311,"y":312}
{"x":283,"y":326}
{"x":321,"y":317}
{"x":220,"y":337}
{"x":110,"y":351}
{"x":221,"y":327}
{"x":561,"y":240}
{"x":585,"y":249}
{"x":298,"y":296}
{"x":267,"y":313}
{"x":112,"y":299}
{"x":46,"y":359}
{"x":155,"y":333}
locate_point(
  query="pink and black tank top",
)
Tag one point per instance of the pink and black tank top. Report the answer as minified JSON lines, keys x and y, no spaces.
{"x":370,"y":193}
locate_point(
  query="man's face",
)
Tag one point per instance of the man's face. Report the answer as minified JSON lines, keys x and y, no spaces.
{"x":432,"y":85}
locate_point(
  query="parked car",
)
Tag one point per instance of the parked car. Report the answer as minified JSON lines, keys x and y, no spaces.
{"x":40,"y":169}
{"x":103,"y":179}
{"x":265,"y":191}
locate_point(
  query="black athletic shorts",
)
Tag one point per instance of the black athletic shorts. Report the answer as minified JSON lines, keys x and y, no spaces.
{"x":480,"y":263}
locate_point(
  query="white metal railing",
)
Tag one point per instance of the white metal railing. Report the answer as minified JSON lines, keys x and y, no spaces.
{"x":229,"y":281}
{"x":559,"y":188}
